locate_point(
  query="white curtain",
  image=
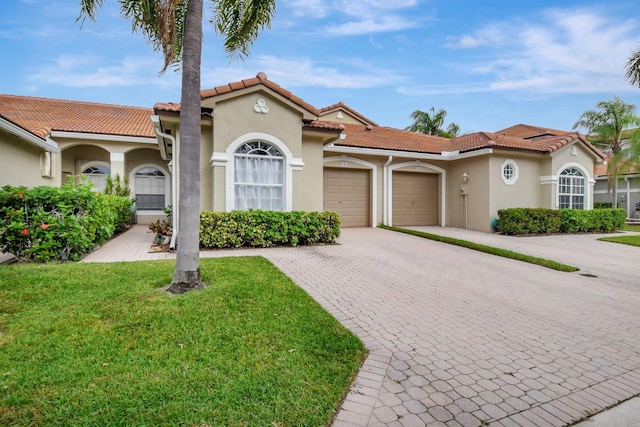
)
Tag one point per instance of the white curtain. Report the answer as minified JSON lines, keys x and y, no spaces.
{"x":259,"y":182}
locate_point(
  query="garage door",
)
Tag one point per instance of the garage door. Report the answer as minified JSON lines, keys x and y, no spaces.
{"x":415,"y":199}
{"x":347,"y":191}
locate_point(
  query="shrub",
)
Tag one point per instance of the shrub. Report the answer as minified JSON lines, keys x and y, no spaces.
{"x":53,"y":223}
{"x":528,"y":221}
{"x":594,"y":221}
{"x":543,"y":221}
{"x":602,"y":205}
{"x":257,"y":228}
{"x":121,"y":207}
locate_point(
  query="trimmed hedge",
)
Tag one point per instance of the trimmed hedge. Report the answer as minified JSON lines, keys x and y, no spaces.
{"x":544,"y":221}
{"x":258,"y":228}
{"x":602,"y":205}
{"x":56,"y":223}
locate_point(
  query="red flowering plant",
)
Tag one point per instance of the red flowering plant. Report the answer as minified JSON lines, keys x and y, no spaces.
{"x":53,"y":223}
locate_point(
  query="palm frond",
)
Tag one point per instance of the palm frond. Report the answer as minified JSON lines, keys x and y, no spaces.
{"x":633,"y":68}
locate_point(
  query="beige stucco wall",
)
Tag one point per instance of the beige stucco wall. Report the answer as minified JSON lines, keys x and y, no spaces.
{"x":566,"y":157}
{"x":20,"y":164}
{"x":525,"y":192}
{"x":206,"y":171}
{"x":236,"y":120}
{"x":310,"y":177}
{"x":346,"y":118}
{"x":468,"y":202}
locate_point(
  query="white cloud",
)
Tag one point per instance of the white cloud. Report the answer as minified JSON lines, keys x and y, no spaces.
{"x":562,"y":51}
{"x":304,"y":72}
{"x":371,"y":25}
{"x":84,"y":72}
{"x":357,"y":17}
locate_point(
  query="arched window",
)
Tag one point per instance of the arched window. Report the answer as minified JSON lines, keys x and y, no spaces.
{"x":150,"y":189}
{"x":571,"y":189}
{"x":259,"y":177}
{"x":97,"y":174}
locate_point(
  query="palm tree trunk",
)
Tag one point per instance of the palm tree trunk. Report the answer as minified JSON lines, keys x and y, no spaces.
{"x":186,"y":275}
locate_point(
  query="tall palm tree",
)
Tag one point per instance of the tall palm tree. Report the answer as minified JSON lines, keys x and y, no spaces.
{"x":430,"y":123}
{"x":606,"y":125}
{"x":175,"y":28}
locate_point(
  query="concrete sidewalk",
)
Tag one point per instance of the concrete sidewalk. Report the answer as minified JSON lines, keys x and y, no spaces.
{"x":461,"y":338}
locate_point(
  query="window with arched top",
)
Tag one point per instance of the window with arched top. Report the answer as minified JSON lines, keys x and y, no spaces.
{"x":97,"y":174}
{"x":150,"y":189}
{"x":259,"y":177}
{"x":571,"y":189}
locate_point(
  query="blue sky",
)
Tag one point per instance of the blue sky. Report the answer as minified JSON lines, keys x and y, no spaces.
{"x":490,"y":64}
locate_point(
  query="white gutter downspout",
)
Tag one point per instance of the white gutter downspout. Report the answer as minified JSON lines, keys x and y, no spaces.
{"x":174,"y":180}
{"x":385,"y":191}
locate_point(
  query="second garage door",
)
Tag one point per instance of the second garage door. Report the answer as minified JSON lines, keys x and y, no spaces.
{"x":347,"y":191}
{"x":415,"y":199}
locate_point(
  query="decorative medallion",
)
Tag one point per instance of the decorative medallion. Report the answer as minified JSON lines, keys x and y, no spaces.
{"x":339,"y":115}
{"x":574,"y":151}
{"x":261,"y":107}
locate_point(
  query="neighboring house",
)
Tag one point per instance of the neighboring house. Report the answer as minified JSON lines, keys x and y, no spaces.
{"x":628,"y":189}
{"x":265,"y":148}
{"x":45,"y":141}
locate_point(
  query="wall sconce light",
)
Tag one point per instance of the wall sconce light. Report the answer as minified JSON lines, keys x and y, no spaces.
{"x":465,"y":177}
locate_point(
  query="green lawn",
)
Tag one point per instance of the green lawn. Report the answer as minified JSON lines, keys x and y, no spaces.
{"x":633,"y":240}
{"x":104,"y":345}
{"x":543,"y":262}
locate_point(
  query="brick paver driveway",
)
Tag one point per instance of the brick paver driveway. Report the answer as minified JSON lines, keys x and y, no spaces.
{"x":462,"y":338}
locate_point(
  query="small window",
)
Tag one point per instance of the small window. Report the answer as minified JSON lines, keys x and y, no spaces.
{"x":97,"y":174}
{"x":509,"y":172}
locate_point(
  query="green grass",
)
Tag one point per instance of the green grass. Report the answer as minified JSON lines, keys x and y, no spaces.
{"x":488,"y":249}
{"x":633,"y":240}
{"x":629,"y":227}
{"x":104,"y":345}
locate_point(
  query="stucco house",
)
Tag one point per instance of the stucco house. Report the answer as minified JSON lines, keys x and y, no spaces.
{"x":45,"y":141}
{"x":265,"y":148}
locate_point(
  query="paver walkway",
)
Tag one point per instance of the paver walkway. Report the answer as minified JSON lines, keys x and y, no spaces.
{"x":458,"y":337}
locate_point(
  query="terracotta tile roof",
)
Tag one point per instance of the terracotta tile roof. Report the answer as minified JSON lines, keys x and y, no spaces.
{"x":41,"y":116}
{"x":340,"y":105}
{"x":529,"y":131}
{"x":259,"y":79}
{"x":385,"y":138}
{"x":321,"y":124}
{"x":601,"y":169}
{"x":549,"y":144}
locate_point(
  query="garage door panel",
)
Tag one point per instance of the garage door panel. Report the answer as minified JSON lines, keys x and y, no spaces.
{"x":415,"y":199}
{"x":347,"y":191}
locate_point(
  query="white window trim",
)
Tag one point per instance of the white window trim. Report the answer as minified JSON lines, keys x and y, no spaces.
{"x":589,"y":182}
{"x":374,"y":181}
{"x":516,"y":172}
{"x":86,"y":165}
{"x":167,"y":181}
{"x":418,"y":164}
{"x":290,"y":164}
